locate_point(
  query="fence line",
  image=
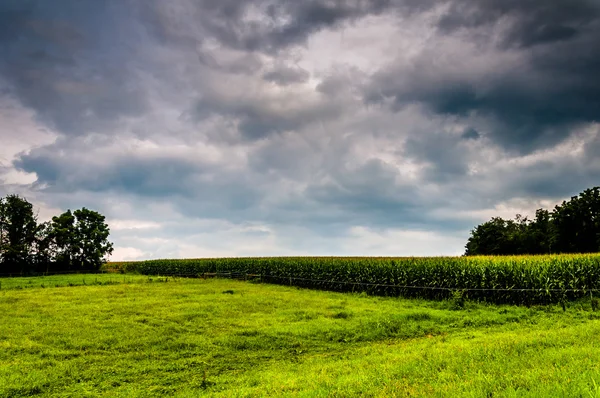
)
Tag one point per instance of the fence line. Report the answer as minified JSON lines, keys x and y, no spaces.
{"x":236,"y":275}
{"x":246,"y":276}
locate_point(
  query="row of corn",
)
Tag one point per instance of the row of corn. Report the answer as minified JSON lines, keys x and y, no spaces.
{"x":507,"y":279}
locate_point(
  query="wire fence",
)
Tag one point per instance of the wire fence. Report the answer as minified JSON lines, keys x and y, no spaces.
{"x":265,"y":278}
{"x":322,"y":284}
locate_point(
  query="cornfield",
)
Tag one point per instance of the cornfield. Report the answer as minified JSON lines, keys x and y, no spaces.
{"x":507,"y":279}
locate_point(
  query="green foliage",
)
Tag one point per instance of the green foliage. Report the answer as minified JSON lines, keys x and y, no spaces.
{"x":18,"y":227}
{"x":62,"y":235}
{"x":71,"y":241}
{"x":91,"y":234}
{"x":577,"y":223}
{"x":122,"y":267}
{"x":572,"y":227}
{"x":185,"y":338}
{"x":522,"y":280}
{"x":458,"y":299}
{"x":495,"y":237}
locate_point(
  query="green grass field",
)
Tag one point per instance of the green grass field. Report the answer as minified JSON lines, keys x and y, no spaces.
{"x":72,"y":280}
{"x":189,"y":337}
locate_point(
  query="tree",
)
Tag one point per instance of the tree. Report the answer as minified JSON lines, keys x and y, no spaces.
{"x":62,"y":237}
{"x":44,"y":251}
{"x":71,"y":241}
{"x":80,"y":239}
{"x":572,"y":227}
{"x":18,"y":226}
{"x":492,"y":237}
{"x":542,"y":233}
{"x":91,"y":235}
{"x":577,"y":222}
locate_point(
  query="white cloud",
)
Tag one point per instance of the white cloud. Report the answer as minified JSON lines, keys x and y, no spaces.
{"x":118,"y":225}
{"x":19,"y":132}
{"x":121,"y":253}
{"x":398,"y":242}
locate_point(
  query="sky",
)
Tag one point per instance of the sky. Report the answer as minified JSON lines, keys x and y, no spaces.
{"x":210,"y":128}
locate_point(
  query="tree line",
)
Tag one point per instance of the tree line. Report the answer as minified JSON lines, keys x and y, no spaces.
{"x":571,"y":227}
{"x":72,"y":241}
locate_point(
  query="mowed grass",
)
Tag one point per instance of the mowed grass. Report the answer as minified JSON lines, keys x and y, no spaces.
{"x":73,"y":280}
{"x":191,"y":337}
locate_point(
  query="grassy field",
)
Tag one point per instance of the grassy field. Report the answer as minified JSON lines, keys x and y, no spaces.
{"x":72,"y":280}
{"x":189,"y":337}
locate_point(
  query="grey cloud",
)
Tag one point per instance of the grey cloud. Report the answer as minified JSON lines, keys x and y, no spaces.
{"x":343,"y":81}
{"x":195,"y":187}
{"x":326,"y":196}
{"x":152,"y":177}
{"x":470,"y":134}
{"x":70,"y":63}
{"x":284,"y":155}
{"x":281,"y":24}
{"x":531,"y":101}
{"x":284,"y":75}
{"x":445,"y":155}
{"x":518,"y":117}
{"x":470,"y":175}
{"x":529,"y":22}
{"x":246,"y":63}
{"x":370,"y":195}
{"x":500,"y":178}
{"x":591,"y":148}
{"x":312,"y":155}
{"x":309,"y":16}
{"x":548,"y":179}
{"x":260,"y":115}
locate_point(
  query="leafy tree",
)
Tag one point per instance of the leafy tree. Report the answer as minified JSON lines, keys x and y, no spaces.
{"x":542,"y":234}
{"x":91,"y":235}
{"x":80,"y":239}
{"x":492,"y":237}
{"x":18,"y":226}
{"x":572,"y":227}
{"x":577,"y":223}
{"x":71,"y":241}
{"x":62,"y":237}
{"x":44,"y":249}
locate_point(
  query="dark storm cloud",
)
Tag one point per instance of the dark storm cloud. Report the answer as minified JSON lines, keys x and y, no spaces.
{"x":281,"y":24}
{"x":310,"y":16}
{"x":301,"y":148}
{"x":470,"y":134}
{"x":529,"y":22}
{"x":69,"y":62}
{"x":527,"y":104}
{"x":444,"y":155}
{"x":552,"y":179}
{"x":360,"y":206}
{"x":150,"y":176}
{"x":196,"y":188}
{"x":370,"y":195}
